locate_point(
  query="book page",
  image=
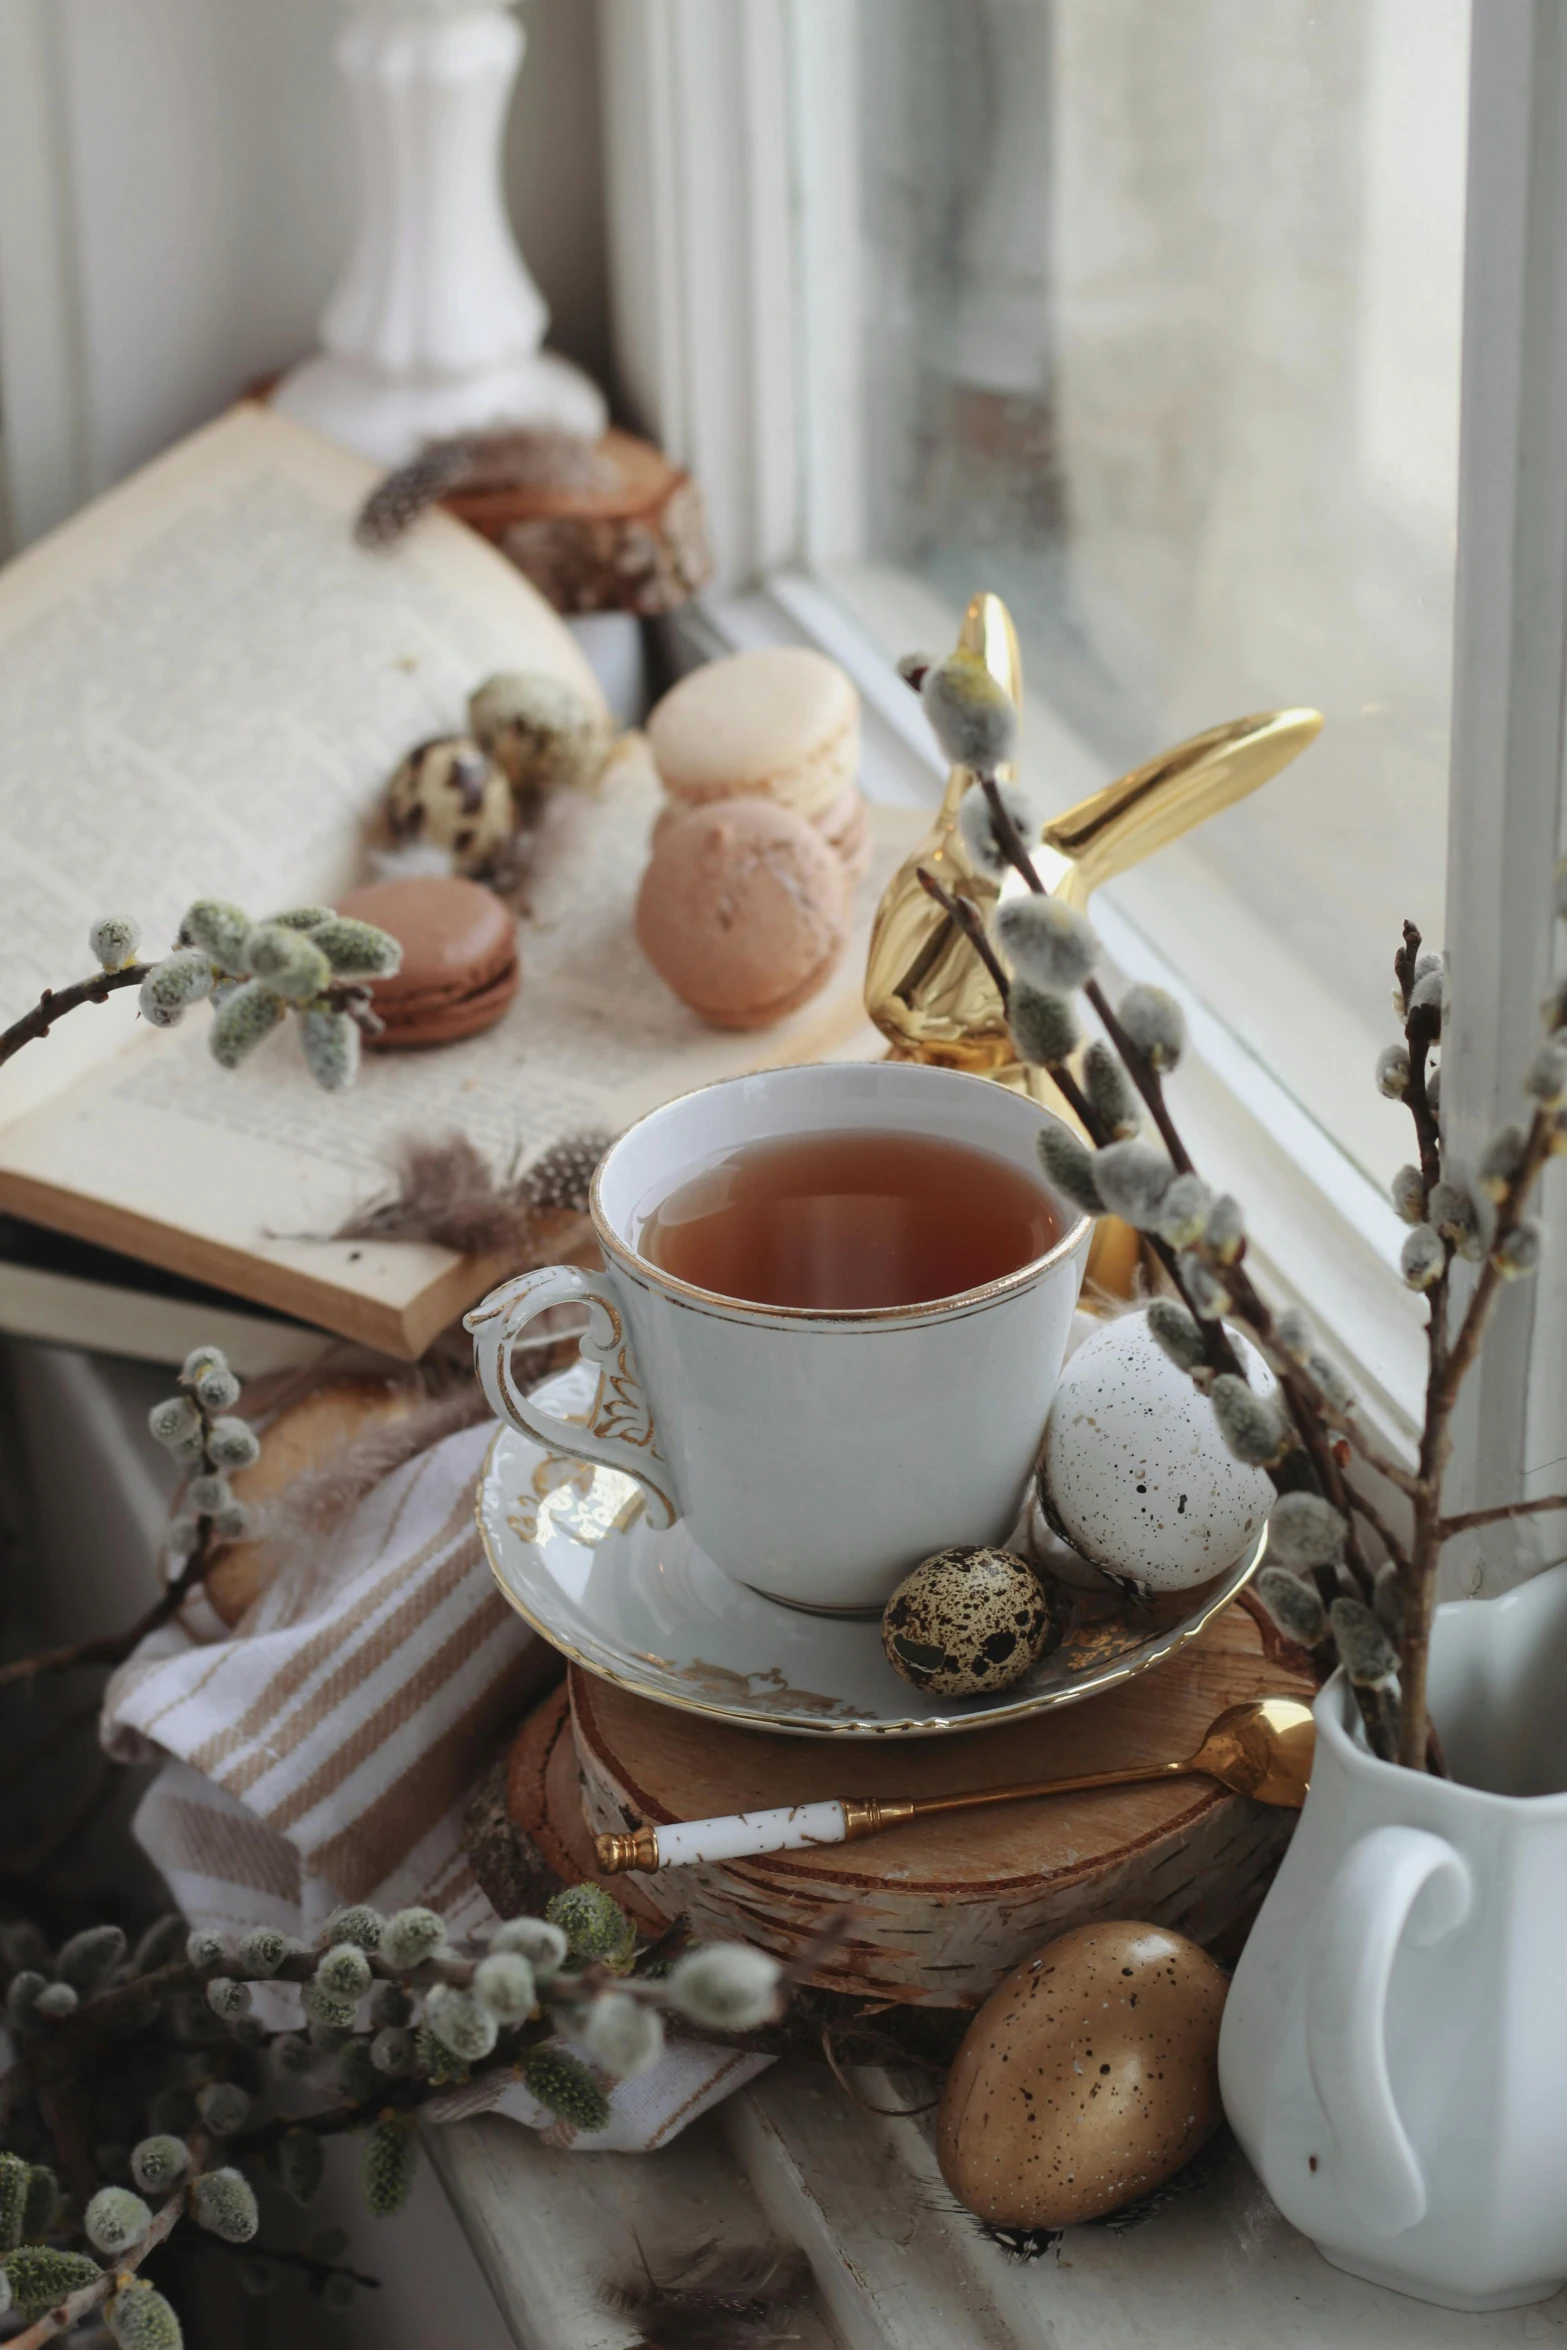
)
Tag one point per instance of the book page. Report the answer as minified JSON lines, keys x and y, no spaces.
{"x":204,"y":685}
{"x":225,"y":1172}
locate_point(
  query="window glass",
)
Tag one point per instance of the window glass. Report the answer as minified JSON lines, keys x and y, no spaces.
{"x":1146,"y":314}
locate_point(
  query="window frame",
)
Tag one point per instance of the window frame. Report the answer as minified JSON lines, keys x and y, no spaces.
{"x":709,"y":272}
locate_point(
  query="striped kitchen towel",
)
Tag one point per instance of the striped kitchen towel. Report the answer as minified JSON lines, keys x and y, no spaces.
{"x":324,"y":1748}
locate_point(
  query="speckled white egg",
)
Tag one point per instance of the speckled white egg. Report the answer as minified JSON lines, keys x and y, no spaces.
{"x":1134,"y":1469}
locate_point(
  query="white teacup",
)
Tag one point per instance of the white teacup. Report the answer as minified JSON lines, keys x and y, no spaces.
{"x":816,"y":1456}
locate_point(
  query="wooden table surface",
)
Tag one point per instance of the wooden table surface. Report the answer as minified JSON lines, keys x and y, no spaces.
{"x":791,"y":2161}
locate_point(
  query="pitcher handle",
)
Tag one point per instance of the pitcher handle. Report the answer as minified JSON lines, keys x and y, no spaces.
{"x":1366,"y":1913}
{"x":619,"y":1431}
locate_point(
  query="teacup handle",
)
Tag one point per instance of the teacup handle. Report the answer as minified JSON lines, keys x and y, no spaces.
{"x":1365,"y":1914}
{"x":619,"y":1431}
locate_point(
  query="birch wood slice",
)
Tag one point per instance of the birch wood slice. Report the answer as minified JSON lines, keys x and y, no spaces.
{"x":544,"y":1799}
{"x":944,"y":1907}
{"x":636,"y":541}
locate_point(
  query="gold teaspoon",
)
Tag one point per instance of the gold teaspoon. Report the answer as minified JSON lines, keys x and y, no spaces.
{"x":1261,"y":1748}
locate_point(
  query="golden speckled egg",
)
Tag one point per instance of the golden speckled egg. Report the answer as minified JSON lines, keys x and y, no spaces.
{"x":452,"y":794}
{"x":1089,"y":2076}
{"x":966,"y":1620}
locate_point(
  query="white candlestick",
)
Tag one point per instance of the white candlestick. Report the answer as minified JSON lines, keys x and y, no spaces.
{"x":435,"y":325}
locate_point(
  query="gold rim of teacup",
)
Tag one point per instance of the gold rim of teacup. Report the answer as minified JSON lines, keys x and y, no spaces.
{"x":963,"y":1301}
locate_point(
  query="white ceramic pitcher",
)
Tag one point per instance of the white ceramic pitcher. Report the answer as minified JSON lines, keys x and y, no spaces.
{"x":1394,"y":2050}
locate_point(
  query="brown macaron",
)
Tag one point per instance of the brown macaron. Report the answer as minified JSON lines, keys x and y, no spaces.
{"x":743,"y":910}
{"x":460,"y":968}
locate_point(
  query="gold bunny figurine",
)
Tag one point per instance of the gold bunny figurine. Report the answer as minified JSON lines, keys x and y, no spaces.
{"x":925,"y":988}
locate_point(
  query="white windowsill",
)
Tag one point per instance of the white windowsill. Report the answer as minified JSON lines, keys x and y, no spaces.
{"x":1322,"y":1234}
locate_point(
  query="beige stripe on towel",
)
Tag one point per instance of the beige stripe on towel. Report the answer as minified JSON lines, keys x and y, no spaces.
{"x":324,"y":1749}
{"x":342,"y":1736}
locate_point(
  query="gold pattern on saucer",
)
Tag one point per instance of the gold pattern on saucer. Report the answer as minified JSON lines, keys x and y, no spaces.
{"x":572,"y":1497}
{"x":925,"y":988}
{"x":767,"y":1686}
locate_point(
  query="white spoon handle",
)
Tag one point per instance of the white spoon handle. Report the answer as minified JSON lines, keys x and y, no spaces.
{"x":679,"y":1843}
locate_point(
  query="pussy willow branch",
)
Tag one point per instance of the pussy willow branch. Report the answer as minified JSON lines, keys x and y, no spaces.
{"x":1151,"y":1088}
{"x":1217,"y":1349}
{"x":1471,"y":1519}
{"x":966,"y":917}
{"x":1465,"y":1347}
{"x":1137,"y":1069}
{"x":54,"y":1003}
{"x":1449,"y":1367}
{"x":1419,"y":1573}
{"x":114,"y":1647}
{"x":61,"y":2052}
{"x":1143,"y":1075}
{"x":88,"y":2297}
{"x":1301,"y":1395}
{"x":1449,"y":1359}
{"x":406,"y":2095}
{"x":1220,"y":1354}
{"x":1304,"y":1400}
{"x":1420,"y":1033}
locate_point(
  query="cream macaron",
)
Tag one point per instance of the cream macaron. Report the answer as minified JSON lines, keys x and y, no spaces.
{"x":780,"y":724}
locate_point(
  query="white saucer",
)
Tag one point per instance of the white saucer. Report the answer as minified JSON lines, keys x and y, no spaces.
{"x":571,"y":1548}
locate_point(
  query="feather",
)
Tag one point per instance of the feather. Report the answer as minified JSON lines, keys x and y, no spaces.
{"x":1023,"y":2243}
{"x":721,"y":2300}
{"x":396,"y":503}
{"x":314,"y":1504}
{"x":447,"y":1192}
{"x":514,"y":460}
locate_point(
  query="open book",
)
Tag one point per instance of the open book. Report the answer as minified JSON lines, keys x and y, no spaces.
{"x":204,"y":684}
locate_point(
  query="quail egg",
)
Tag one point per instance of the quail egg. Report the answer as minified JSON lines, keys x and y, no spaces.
{"x":968,"y":1620}
{"x":540,"y":730}
{"x":449,"y":794}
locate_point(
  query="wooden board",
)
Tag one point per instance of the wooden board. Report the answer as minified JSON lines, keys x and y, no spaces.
{"x":944,"y":1907}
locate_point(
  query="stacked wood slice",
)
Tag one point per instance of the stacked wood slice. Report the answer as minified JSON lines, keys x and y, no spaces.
{"x":942,"y":1908}
{"x":633,"y":538}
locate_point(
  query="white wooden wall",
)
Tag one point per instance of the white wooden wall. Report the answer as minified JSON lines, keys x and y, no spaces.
{"x":175,"y":193}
